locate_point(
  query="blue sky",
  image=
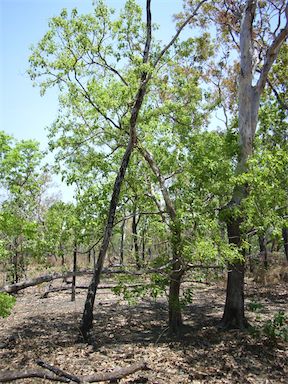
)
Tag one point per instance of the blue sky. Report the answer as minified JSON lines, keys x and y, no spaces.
{"x":23,"y":112}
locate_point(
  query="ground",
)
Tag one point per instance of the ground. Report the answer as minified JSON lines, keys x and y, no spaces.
{"x":122,"y":334}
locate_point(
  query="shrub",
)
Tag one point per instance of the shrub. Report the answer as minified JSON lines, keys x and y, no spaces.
{"x":7,"y":302}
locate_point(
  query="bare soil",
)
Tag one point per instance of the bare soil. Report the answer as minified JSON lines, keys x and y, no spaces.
{"x":123,"y":334}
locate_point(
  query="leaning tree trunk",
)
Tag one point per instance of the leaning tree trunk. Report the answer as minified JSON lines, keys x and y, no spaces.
{"x":87,"y":318}
{"x":249,"y":102}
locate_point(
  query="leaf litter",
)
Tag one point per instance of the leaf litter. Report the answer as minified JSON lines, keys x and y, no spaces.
{"x":124,"y":334}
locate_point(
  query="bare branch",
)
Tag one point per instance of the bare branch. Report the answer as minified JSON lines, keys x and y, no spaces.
{"x":117,"y":374}
{"x":8,"y":376}
{"x":58,"y":371}
{"x":271,"y":54}
{"x":278,"y":97}
{"x":182,"y":26}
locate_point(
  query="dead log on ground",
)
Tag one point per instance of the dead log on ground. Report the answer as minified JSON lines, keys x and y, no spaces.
{"x":64,"y":377}
{"x":13,"y":288}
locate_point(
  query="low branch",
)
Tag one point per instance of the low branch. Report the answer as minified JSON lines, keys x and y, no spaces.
{"x":64,"y":377}
{"x":200,"y":266}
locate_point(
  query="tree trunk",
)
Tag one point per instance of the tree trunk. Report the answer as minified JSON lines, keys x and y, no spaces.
{"x":263,"y":251}
{"x":73,"y":293}
{"x":135,"y":239}
{"x":174,"y":305}
{"x":143,"y":246}
{"x":285,"y":241}
{"x":122,"y":242}
{"x":89,"y":257}
{"x":87,"y":318}
{"x":175,"y":316}
{"x":175,"y":319}
{"x":15,"y":277}
{"x":234,"y":316}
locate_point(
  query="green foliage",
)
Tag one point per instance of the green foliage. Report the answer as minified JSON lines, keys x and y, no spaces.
{"x":7,"y":302}
{"x":187,"y":297}
{"x":255,"y":306}
{"x":155,"y":288}
{"x":274,"y":330}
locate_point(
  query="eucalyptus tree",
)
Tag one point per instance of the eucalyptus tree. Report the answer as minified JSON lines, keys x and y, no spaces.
{"x":255,"y":31}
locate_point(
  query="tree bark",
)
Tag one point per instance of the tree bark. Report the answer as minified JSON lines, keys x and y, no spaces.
{"x":87,"y":318}
{"x":73,"y":293}
{"x":263,"y":251}
{"x":122,"y":242}
{"x":285,"y":241}
{"x":248,"y":103}
{"x":135,"y":238}
{"x":234,"y":316}
{"x":174,"y":305}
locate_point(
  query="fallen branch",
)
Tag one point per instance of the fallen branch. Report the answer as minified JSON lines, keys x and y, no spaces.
{"x":108,"y":286}
{"x":7,"y":376}
{"x":14,"y":288}
{"x":64,"y":377}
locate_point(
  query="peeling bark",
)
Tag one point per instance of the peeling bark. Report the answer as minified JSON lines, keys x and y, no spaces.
{"x":249,"y":102}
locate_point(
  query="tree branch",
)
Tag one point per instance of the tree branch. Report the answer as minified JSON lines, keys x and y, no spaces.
{"x":64,"y":377}
{"x":272,"y":53}
{"x":182,"y":26}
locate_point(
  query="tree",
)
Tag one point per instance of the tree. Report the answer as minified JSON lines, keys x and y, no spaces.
{"x":22,"y":180}
{"x":103,"y":90}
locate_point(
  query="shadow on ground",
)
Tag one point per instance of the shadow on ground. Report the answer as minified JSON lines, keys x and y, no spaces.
{"x":201,"y":351}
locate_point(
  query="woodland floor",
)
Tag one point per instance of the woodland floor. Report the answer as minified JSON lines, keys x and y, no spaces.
{"x":123,"y":334}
